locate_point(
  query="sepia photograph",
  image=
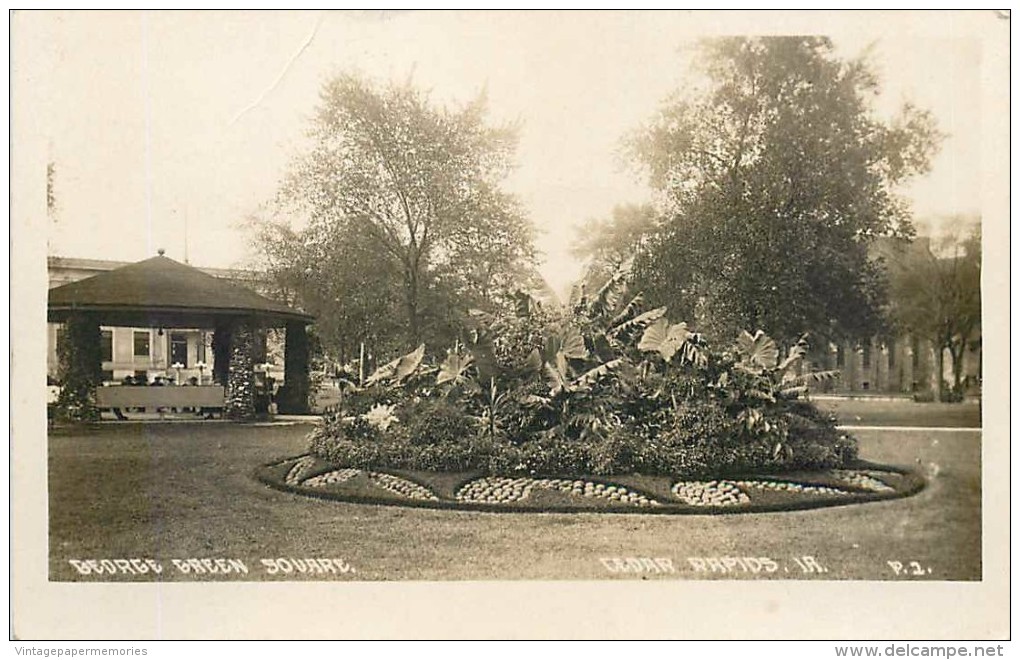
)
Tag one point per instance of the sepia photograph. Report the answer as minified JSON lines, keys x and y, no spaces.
{"x":478,"y":324}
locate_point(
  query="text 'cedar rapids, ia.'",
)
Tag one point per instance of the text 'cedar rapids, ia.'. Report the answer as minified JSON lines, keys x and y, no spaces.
{"x":753,"y":565}
{"x":212,"y":566}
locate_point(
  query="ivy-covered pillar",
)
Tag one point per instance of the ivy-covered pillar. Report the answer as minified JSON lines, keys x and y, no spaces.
{"x":241,"y":376}
{"x":221,"y":354}
{"x":80,"y":368}
{"x":295,"y":370}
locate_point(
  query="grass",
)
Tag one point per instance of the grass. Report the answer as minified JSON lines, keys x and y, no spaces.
{"x":186,"y":490}
{"x":866,"y":412}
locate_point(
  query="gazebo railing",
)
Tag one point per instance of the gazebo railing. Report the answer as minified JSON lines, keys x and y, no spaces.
{"x":200,"y":396}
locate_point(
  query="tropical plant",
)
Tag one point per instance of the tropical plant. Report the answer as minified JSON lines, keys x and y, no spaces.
{"x":673,"y":340}
{"x":606,"y":387}
{"x":395,"y":372}
{"x":757,"y":386}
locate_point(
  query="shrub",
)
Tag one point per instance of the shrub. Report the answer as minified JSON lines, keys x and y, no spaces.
{"x":436,"y":421}
{"x":696,"y":439}
{"x":432,"y":435}
{"x":621,"y":452}
{"x":348,"y":442}
{"x":547,"y":453}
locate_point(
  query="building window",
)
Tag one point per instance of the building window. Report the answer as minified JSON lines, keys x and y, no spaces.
{"x":840,"y":358}
{"x":179,"y":348}
{"x":142,"y":344}
{"x":106,"y":343}
{"x":866,"y":355}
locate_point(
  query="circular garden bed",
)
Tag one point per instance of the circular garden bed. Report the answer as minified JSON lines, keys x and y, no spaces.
{"x":862,"y":482}
{"x":597,"y":405}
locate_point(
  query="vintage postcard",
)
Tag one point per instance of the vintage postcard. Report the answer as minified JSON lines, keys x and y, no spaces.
{"x":510,"y":324}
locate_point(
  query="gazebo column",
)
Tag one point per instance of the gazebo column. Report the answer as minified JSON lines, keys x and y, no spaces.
{"x":295,"y":370}
{"x":221,"y":354}
{"x":80,"y":368}
{"x":241,"y":376}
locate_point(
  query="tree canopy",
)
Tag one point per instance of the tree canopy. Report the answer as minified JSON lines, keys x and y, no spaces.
{"x":403,"y":224}
{"x":605,"y":244}
{"x":773,"y":179}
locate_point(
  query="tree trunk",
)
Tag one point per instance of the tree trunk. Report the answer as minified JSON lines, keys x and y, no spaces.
{"x":413,"y":316}
{"x":940,"y":360}
{"x":957,"y":353}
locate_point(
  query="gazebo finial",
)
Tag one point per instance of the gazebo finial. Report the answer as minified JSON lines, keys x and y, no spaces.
{"x":161,"y":252}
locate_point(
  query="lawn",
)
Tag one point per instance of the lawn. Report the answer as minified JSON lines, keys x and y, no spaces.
{"x":872,"y":412}
{"x":185,"y":490}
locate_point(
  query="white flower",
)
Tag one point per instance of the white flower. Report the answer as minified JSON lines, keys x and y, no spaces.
{"x":380,"y":416}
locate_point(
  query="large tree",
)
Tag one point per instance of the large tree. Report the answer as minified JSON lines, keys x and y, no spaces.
{"x":774,"y":177}
{"x":605,"y":244}
{"x":405,"y":225}
{"x":936,"y":295}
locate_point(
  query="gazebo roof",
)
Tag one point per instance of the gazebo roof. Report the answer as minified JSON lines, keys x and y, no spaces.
{"x":165,"y":293}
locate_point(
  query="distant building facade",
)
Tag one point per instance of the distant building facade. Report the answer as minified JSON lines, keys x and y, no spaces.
{"x":902,"y":364}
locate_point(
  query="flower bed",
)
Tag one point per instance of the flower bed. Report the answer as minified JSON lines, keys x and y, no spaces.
{"x":605,"y":390}
{"x":863,"y":482}
{"x":602,"y":389}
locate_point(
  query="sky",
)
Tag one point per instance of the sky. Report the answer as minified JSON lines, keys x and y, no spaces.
{"x":161,"y":121}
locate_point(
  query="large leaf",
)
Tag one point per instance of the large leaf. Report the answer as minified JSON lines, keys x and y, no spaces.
{"x":454,"y":368}
{"x":573,"y":344}
{"x":409,"y":363}
{"x":655,"y":336}
{"x":398,"y":369}
{"x":628,"y":311}
{"x":797,"y":353}
{"x":813,"y":377}
{"x":794,"y":386}
{"x":558,"y":375}
{"x":758,"y":350}
{"x":666,"y":340}
{"x":569,"y":342}
{"x":608,"y":297}
{"x":639,"y":321}
{"x":534,"y":361}
{"x":592,"y":376}
{"x":385,"y":372}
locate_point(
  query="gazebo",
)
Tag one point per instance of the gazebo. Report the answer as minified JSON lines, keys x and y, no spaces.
{"x":163,"y":293}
